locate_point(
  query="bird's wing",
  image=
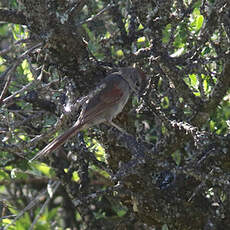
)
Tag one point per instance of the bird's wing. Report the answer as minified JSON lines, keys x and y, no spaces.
{"x":103,"y":100}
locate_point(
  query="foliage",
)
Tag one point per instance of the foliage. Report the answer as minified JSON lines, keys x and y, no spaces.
{"x":172,"y":167}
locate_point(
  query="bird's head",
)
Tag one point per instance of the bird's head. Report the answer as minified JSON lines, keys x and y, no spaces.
{"x":135,"y":78}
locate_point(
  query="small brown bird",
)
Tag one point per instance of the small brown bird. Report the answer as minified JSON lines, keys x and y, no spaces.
{"x":105,"y":104}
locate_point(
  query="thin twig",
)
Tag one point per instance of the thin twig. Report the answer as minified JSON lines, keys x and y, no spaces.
{"x":9,"y":72}
{"x":28,"y":207}
{"x":23,"y":89}
{"x":54,"y":186}
{"x":8,"y":49}
{"x":57,"y":126}
{"x":75,"y":9}
{"x":110,"y":5}
{"x":76,"y":202}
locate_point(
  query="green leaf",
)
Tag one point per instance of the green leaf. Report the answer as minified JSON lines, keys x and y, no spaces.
{"x":120,"y":53}
{"x":97,"y":148}
{"x":19,"y":32}
{"x":181,"y":36}
{"x":177,"y":157}
{"x":197,"y":4}
{"x":205,"y":85}
{"x":212,"y":126}
{"x":24,"y":222}
{"x":22,"y":137}
{"x":88,"y":31}
{"x":4,"y":29}
{"x":206,"y":50}
{"x":127,"y":25}
{"x":141,"y":39}
{"x":193,"y":80}
{"x":199,"y":22}
{"x":4,"y":175}
{"x":196,"y":20}
{"x":6,"y":221}
{"x":121,"y":212}
{"x":107,"y":35}
{"x":140,"y":27}
{"x":165,"y":102}
{"x":42,"y":168}
{"x":166,"y":34}
{"x":52,"y":213}
{"x":75,"y":176}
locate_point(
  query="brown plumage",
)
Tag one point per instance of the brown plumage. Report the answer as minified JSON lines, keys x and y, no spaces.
{"x":103,"y":106}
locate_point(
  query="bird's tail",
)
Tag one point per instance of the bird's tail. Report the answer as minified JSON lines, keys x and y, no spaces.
{"x":59,"y":141}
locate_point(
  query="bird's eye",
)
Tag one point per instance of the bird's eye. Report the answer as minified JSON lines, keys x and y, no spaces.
{"x":138,"y":84}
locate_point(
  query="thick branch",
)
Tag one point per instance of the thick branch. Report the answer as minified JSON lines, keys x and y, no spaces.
{"x":12,"y":16}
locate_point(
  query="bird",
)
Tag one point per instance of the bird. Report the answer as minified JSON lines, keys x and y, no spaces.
{"x":107,"y":101}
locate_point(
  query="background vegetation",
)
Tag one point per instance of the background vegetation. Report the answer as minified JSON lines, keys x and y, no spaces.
{"x":173,"y":169}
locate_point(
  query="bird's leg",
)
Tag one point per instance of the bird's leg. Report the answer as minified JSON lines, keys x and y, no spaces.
{"x":116,"y":126}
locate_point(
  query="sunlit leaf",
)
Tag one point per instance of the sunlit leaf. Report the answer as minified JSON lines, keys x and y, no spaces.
{"x":23,"y":137}
{"x":107,"y":35}
{"x":165,"y":102}
{"x":199,"y":22}
{"x":140,"y":27}
{"x":212,"y":125}
{"x":120,"y":53}
{"x":26,"y":70}
{"x":193,"y":80}
{"x":42,"y":167}
{"x":6,"y":221}
{"x":3,"y":175}
{"x":75,"y":176}
{"x":205,"y":85}
{"x":141,"y":39}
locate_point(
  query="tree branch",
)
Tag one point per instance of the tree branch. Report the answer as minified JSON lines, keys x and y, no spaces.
{"x":11,"y":69}
{"x":76,"y":8}
{"x":12,"y":16}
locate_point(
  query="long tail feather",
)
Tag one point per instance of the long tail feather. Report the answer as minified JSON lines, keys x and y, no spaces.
{"x":59,"y":141}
